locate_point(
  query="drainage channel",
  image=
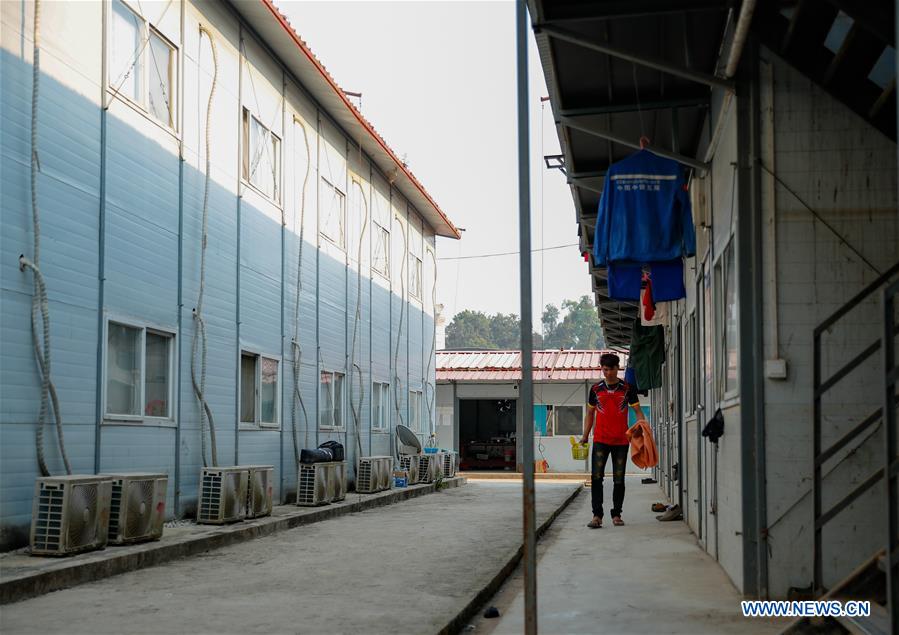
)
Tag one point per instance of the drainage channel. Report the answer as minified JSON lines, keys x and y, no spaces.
{"x":458,"y":623}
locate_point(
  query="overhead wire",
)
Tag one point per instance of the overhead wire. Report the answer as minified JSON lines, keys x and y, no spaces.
{"x":40,"y":310}
{"x":507,"y":253}
{"x":199,"y":335}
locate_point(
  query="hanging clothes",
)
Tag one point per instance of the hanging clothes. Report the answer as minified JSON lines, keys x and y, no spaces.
{"x":644,"y":453}
{"x":652,"y":313}
{"x":644,"y":212}
{"x":630,"y":377}
{"x":647,"y":354}
{"x":667,"y":281}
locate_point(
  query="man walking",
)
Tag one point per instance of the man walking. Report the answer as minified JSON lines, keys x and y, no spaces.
{"x":607,"y":406}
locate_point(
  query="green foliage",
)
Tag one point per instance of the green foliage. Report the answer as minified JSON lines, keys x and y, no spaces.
{"x":578,"y":328}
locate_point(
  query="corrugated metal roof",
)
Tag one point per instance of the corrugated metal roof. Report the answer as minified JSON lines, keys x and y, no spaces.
{"x":504,"y":366}
{"x":275,"y":29}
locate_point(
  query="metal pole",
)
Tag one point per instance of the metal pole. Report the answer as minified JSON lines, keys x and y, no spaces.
{"x":890,"y":377}
{"x":526,"y":397}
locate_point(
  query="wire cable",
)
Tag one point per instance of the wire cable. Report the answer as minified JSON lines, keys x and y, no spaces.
{"x":396,"y":356}
{"x":40,"y":310}
{"x":507,"y":253}
{"x":295,"y":342}
{"x":353,"y":365}
{"x":199,"y":337}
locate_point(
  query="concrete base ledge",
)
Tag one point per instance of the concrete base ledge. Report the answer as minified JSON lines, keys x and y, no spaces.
{"x":23,"y":576}
{"x":492,"y":587}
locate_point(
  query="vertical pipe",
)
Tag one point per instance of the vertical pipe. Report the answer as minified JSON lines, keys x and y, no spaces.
{"x":318,"y":260}
{"x":240,"y":64}
{"x":280,"y":395}
{"x":818,"y":584}
{"x":890,"y":449}
{"x":371,"y":305}
{"x":101,"y":250}
{"x":527,"y":344}
{"x":177,"y":375}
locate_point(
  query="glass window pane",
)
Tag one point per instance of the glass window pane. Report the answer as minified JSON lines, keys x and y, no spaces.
{"x":730,"y":320}
{"x":381,"y":256}
{"x":326,"y":404}
{"x":569,"y":420}
{"x":123,"y":370}
{"x":338,"y":400}
{"x":261,"y":157}
{"x":161,"y":82}
{"x":157,"y":367}
{"x":268,"y":389}
{"x":248,"y":388}
{"x":124,"y":45}
{"x":333,"y":217}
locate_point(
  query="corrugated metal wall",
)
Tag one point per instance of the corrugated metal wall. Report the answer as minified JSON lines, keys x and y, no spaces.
{"x":116,"y":234}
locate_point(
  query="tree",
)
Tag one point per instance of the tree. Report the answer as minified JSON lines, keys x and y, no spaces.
{"x":579,"y":328}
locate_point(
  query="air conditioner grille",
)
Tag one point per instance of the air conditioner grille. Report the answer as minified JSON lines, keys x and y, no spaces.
{"x":48,"y":524}
{"x":210,"y":497}
{"x":139,"y":512}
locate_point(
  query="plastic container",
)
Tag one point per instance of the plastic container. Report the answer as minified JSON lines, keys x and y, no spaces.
{"x":579,"y":451}
{"x":430,"y":450}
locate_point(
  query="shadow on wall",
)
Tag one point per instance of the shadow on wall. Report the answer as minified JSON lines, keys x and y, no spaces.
{"x":142,"y":237}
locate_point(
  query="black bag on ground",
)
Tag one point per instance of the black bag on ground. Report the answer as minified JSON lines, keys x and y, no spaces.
{"x":318,"y":455}
{"x":336,"y":449}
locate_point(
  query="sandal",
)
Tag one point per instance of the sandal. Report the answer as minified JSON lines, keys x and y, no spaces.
{"x":595,"y":524}
{"x":616,"y":520}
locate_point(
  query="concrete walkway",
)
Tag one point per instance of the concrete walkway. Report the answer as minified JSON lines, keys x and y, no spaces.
{"x":646,"y":577}
{"x":411,"y":567}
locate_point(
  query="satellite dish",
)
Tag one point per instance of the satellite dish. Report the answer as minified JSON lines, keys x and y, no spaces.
{"x":407,"y":440}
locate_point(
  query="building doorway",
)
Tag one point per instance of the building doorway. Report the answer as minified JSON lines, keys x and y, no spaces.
{"x":487,"y":434}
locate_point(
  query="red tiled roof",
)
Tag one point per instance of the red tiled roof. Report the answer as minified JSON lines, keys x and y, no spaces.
{"x":498,"y":366}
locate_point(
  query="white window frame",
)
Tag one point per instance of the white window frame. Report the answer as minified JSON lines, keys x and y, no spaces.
{"x":334,"y":425}
{"x":143,"y":327}
{"x":142,"y":104}
{"x":246,"y":172}
{"x":726,"y":397}
{"x":377,"y":230}
{"x":381,"y":391}
{"x":415,"y":276}
{"x":334,"y":190}
{"x":257,"y":423}
{"x":415,"y":418}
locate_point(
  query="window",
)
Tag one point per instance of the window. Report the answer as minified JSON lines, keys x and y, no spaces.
{"x":331,"y":400}
{"x":415,"y":410}
{"x":138,"y":372}
{"x":414,"y":276}
{"x":380,"y":405}
{"x":381,"y":256}
{"x":258,"y":390}
{"x":333,"y":218}
{"x":261,"y":157}
{"x":142,"y":64}
{"x":551,"y":420}
{"x":691,"y":364}
{"x":726,"y":323}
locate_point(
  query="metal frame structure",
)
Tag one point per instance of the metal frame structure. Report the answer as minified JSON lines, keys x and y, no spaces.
{"x":820,"y":455}
{"x":891,"y":450}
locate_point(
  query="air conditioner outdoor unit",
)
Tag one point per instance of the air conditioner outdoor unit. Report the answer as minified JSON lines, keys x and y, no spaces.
{"x":70,"y":514}
{"x":223,"y":495}
{"x":386,"y":472}
{"x":428,"y":468}
{"x":336,"y":490}
{"x":448,"y":464}
{"x":259,"y":490}
{"x":370,"y":474}
{"x":312,"y":484}
{"x":409,"y":463}
{"x":137,"y":508}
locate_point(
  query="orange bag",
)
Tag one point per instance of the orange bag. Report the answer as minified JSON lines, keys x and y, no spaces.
{"x":644,"y":453}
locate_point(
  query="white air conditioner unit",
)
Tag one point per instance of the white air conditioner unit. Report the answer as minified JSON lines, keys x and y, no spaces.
{"x":259,"y":490}
{"x":448,"y":464}
{"x":70,"y":514}
{"x":409,"y":464}
{"x":312,"y":484}
{"x":336,"y":490}
{"x":374,"y":474}
{"x":428,"y":468}
{"x":223,"y":495}
{"x":137,"y":508}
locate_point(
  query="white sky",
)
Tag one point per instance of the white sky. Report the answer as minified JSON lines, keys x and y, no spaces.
{"x":438,"y":82}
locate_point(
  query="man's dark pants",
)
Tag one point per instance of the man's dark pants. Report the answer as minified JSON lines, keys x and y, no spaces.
{"x":601,"y":452}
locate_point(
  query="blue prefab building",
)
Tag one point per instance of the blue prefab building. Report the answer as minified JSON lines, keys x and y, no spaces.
{"x":217,"y":224}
